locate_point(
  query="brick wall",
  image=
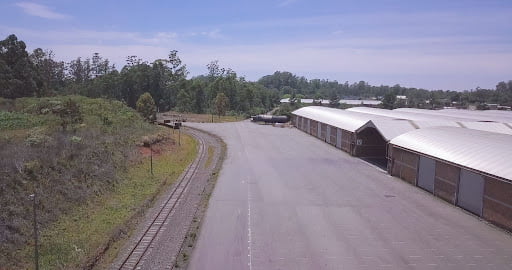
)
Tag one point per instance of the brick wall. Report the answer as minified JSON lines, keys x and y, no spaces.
{"x":313,"y":129}
{"x":498,"y":202}
{"x":332,"y":137}
{"x":346,"y":141}
{"x":404,"y":164}
{"x":446,"y":181}
{"x":323,"y":131}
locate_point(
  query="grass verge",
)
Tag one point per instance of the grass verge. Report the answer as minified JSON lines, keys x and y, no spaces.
{"x":189,"y":242}
{"x":202,"y":118}
{"x":79,"y":236}
{"x":209,"y":160}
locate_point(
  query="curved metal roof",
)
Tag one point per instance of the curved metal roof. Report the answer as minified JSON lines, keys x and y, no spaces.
{"x":349,"y":121}
{"x":355,"y":122}
{"x":483,"y":151}
{"x":488,"y":115}
{"x":389,"y":128}
{"x":409,"y":115}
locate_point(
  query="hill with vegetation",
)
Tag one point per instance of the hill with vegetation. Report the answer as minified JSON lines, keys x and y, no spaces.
{"x":68,"y":150}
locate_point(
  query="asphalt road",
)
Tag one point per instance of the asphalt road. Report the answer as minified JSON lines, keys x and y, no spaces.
{"x":285,"y":200}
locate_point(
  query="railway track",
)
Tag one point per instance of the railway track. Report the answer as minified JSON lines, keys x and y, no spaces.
{"x":137,"y":253}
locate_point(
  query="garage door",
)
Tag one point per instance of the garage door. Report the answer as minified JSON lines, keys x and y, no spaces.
{"x":328,"y":134}
{"x":471,"y":192}
{"x":426,"y":173}
{"x":338,"y":138}
{"x":308,"y":125}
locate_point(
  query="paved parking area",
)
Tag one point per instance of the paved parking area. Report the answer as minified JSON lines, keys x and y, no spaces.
{"x":285,"y":200}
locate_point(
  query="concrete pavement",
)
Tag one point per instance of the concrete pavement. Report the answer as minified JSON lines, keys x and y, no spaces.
{"x":285,"y":200}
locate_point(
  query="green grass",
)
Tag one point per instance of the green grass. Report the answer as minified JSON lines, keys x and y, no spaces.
{"x":204,"y":118}
{"x":210,"y":157}
{"x":20,"y":120}
{"x":78,"y":236}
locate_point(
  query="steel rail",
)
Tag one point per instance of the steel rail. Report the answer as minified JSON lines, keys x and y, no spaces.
{"x":134,"y":258}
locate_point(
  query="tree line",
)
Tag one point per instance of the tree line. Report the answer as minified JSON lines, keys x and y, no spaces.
{"x":221,"y":90}
{"x":290,"y":85}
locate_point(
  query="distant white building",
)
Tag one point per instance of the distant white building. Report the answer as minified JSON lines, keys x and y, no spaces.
{"x":402,"y":99}
{"x":361,"y":102}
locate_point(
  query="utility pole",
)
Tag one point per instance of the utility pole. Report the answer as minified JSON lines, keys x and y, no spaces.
{"x":36,"y":234}
{"x":151,"y":157}
{"x":179,"y":136}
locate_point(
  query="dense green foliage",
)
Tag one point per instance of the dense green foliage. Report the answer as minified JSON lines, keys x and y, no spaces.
{"x":39,"y":74}
{"x":146,"y":107}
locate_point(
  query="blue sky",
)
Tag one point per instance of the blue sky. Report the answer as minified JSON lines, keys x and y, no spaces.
{"x":457,"y":45}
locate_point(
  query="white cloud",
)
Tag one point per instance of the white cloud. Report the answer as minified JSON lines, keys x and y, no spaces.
{"x":41,"y":11}
{"x":286,"y":3}
{"x":80,"y":36}
{"x":314,"y":60}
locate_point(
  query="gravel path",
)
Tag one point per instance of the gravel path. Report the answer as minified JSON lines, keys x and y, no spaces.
{"x":174,"y":242}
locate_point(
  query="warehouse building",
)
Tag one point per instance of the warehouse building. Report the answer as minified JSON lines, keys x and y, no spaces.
{"x":465,"y":163}
{"x":465,"y":167}
{"x":466,"y":119}
{"x":358,"y":134}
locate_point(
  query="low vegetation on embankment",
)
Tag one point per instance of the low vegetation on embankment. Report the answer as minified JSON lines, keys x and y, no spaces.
{"x":86,"y":162}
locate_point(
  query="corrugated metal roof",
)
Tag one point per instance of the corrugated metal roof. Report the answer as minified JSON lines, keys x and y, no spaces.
{"x":349,"y":121}
{"x":389,"y":128}
{"x":483,"y":151}
{"x":408,"y":115}
{"x":489,"y":115}
{"x":426,"y":124}
{"x":355,"y":122}
{"x":488,"y":126}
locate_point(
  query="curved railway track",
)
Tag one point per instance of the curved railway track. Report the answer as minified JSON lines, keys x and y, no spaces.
{"x":137,"y":253}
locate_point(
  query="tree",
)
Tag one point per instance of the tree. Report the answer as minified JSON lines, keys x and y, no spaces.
{"x":221,"y":104}
{"x":49,"y":74}
{"x":334,"y":100}
{"x":16,"y":69}
{"x":388,"y":102}
{"x":146,"y":106}
{"x":184,"y":102}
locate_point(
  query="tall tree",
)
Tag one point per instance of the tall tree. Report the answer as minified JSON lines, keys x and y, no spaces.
{"x":221,"y":104}
{"x":184,"y":102}
{"x":50,"y":74}
{"x":16,"y":69}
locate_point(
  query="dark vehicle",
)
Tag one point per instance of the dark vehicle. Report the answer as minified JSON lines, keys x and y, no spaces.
{"x":173,"y":124}
{"x":270,"y":118}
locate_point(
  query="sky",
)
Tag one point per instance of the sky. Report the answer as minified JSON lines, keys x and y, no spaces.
{"x":449,"y":45}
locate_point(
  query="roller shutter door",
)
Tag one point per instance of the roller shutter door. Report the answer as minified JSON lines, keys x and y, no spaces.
{"x":319,"y":130}
{"x":471,"y":192}
{"x":426,"y":174}
{"x":328,"y":134}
